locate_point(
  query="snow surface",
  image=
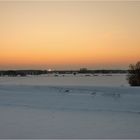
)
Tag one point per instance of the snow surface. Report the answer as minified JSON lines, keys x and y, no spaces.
{"x":69,"y":106}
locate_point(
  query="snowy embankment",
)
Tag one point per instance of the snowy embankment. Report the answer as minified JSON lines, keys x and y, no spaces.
{"x":62,"y":107}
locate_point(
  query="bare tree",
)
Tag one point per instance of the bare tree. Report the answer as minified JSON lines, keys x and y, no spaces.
{"x":134,"y":74}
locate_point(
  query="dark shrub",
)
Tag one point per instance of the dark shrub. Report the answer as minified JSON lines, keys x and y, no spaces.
{"x":134,"y":74}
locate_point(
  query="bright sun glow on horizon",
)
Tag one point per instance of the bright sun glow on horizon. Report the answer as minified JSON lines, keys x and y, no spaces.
{"x":69,"y":35}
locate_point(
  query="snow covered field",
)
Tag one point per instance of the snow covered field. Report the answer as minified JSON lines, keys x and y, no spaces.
{"x":69,"y":106}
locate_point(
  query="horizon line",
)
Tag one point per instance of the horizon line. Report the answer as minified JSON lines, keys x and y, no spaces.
{"x":58,"y":69}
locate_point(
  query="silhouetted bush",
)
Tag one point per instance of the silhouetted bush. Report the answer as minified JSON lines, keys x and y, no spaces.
{"x":134,"y":74}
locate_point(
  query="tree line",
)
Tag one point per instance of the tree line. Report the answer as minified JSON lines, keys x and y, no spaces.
{"x":23,"y":73}
{"x":133,"y":73}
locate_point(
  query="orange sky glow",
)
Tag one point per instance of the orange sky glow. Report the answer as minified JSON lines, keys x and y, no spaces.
{"x":69,"y":35}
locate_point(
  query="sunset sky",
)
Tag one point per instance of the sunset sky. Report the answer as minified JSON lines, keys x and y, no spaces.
{"x":69,"y":34}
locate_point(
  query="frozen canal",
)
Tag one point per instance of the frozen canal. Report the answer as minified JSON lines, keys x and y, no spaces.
{"x":67,"y":106}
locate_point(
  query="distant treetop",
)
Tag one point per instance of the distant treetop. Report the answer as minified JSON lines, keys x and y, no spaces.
{"x":134,"y":74}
